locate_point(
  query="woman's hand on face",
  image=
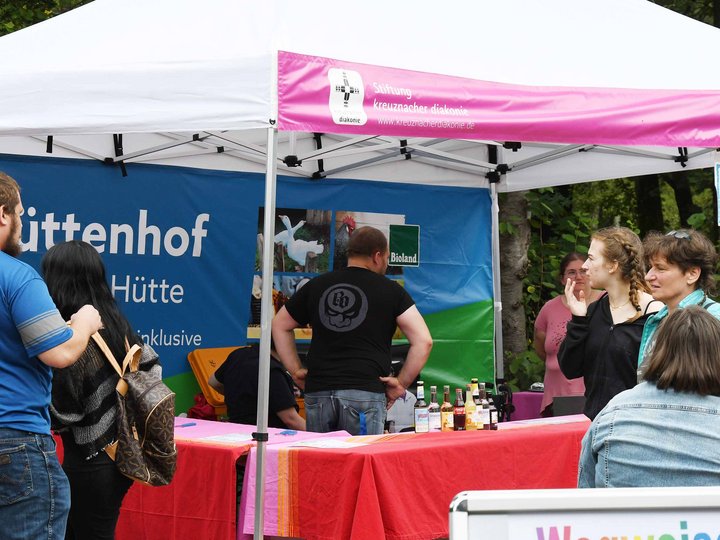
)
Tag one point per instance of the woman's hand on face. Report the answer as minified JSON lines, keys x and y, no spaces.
{"x":577,"y":306}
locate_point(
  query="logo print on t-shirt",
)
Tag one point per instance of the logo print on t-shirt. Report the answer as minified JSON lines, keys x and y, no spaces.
{"x":343,"y":307}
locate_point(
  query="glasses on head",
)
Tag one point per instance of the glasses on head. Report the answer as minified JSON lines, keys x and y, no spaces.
{"x":680,"y":235}
{"x":575,"y":273}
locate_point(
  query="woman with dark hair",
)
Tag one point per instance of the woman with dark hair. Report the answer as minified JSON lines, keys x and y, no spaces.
{"x":84,"y":402}
{"x":603,"y":338}
{"x":682,"y":273}
{"x":550,"y":327}
{"x":666,"y":431}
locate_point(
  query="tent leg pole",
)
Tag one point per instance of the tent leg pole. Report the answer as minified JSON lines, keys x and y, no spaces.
{"x":497,"y":296}
{"x":266,"y":316}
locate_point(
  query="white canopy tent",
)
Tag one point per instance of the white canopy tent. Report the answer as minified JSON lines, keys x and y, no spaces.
{"x":561,"y":91}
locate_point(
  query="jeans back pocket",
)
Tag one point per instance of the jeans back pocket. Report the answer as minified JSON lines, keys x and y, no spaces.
{"x":15,"y":475}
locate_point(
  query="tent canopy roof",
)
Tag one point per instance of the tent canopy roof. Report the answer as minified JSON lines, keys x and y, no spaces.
{"x":177,"y":66}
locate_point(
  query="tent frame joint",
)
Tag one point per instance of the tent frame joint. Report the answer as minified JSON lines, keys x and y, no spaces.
{"x":292,"y":161}
{"x":512,"y":145}
{"x":682,"y":156}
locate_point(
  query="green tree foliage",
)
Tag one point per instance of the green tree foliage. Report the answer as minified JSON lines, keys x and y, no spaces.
{"x":18,"y":14}
{"x":562,"y":218}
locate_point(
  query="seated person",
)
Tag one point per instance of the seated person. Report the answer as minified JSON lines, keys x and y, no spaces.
{"x":664,"y":432}
{"x":237,"y":380}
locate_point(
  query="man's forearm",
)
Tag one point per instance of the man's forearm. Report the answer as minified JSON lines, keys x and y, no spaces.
{"x":287,"y":350}
{"x":414,"y":362}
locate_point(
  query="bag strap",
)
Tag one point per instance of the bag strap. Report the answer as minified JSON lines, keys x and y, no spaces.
{"x":131,"y":361}
{"x":98,"y":339}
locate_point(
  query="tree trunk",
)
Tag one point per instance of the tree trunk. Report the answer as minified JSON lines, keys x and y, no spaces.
{"x":649,"y":204}
{"x":683,"y":196}
{"x":513,"y":269}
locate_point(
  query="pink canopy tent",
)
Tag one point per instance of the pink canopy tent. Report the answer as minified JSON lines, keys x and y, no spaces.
{"x":505,"y":95}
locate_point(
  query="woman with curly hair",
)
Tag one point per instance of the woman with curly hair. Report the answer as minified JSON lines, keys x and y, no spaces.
{"x":603,"y":339}
{"x":682,"y":272}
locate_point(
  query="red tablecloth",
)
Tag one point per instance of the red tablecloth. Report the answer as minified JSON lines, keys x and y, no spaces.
{"x":400,"y":487}
{"x":199,"y":503}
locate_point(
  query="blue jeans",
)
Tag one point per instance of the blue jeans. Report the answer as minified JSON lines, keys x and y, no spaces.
{"x":34,"y":491}
{"x":356,"y":411}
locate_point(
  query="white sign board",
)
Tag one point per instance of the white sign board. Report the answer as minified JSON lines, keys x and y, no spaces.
{"x":587,"y":514}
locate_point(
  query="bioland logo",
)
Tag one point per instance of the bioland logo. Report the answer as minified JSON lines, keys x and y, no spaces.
{"x":347,"y":94}
{"x":683,"y":532}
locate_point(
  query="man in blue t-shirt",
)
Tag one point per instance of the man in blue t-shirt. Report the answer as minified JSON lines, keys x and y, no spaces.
{"x":353,"y":313}
{"x":35,"y":498}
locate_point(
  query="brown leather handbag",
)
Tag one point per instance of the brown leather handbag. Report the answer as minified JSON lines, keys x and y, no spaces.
{"x":145,"y":447}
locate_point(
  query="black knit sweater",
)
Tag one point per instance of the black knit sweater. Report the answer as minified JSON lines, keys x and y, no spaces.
{"x":84,"y":401}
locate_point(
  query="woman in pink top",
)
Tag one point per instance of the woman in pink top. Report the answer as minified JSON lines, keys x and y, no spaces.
{"x":550,"y":328}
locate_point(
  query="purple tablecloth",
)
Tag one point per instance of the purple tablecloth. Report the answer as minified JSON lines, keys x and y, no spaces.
{"x":527,"y":405}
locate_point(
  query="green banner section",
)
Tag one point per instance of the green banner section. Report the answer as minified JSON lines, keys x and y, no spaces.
{"x":185,"y":387}
{"x":462,"y":346}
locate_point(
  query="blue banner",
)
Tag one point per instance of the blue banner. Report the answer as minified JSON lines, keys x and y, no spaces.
{"x":181,"y":244}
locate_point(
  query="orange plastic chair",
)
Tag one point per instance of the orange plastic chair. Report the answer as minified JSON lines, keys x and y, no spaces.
{"x":204,"y":362}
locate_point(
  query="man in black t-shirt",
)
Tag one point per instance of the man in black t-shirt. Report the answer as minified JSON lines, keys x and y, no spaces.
{"x":237,"y":380}
{"x":353,"y":313}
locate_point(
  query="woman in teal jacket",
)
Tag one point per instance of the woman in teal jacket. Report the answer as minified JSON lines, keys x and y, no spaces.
{"x":682,"y":273}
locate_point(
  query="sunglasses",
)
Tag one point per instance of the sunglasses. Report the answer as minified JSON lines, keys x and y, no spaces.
{"x":680,"y":235}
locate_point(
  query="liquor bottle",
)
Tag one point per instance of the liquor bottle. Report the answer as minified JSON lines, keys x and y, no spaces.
{"x":485,"y":411}
{"x":446,"y":411}
{"x":470,"y":410}
{"x":434,"y":410}
{"x":459,"y":411}
{"x":493,"y":416}
{"x":474,"y":384}
{"x":422,"y":419}
{"x":479,"y":417}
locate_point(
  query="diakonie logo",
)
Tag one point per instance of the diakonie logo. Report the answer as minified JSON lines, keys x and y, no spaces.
{"x":347,"y":93}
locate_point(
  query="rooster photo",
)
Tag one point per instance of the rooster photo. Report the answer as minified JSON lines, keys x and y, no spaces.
{"x":347,"y":221}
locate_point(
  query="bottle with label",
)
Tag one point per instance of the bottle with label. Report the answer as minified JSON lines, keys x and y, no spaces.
{"x":479,"y":417}
{"x":493,"y":415}
{"x":470,"y":410}
{"x":446,"y":411}
{"x":474,"y":384}
{"x":485,"y":406}
{"x":459,"y":411}
{"x":422,"y":418}
{"x":434,"y":410}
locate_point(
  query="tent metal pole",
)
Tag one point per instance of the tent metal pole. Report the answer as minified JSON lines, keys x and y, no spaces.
{"x":497,"y":296}
{"x":266,"y":316}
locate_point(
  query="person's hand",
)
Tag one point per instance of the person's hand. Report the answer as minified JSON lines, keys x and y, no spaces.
{"x":577,"y":306}
{"x":299,"y":378}
{"x":88,"y":318}
{"x":393,"y":390}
